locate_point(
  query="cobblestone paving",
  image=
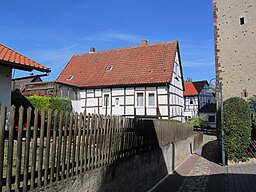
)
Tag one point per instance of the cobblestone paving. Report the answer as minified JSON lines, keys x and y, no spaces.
{"x":197,"y":179}
{"x":206,"y":175}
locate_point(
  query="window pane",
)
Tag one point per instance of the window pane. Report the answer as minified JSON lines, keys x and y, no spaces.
{"x":212,"y":119}
{"x":139,"y":99}
{"x":151,"y":99}
{"x":106,"y":100}
{"x":117,"y":101}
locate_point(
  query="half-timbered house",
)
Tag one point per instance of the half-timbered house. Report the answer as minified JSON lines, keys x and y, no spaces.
{"x":196,"y":98}
{"x":139,"y":81}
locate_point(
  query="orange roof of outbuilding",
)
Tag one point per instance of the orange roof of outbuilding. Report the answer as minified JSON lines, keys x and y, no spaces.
{"x":193,"y":88}
{"x":144,"y":64}
{"x":9,"y":57}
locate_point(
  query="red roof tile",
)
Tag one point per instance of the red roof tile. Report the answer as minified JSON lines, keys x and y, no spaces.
{"x":130,"y":66}
{"x":14,"y":59}
{"x":194,"y":88}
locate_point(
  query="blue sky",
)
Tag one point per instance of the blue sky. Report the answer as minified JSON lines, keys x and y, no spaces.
{"x":50,"y":32}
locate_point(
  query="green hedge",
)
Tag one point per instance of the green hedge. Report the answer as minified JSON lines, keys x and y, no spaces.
{"x":41,"y":102}
{"x":237,"y":128}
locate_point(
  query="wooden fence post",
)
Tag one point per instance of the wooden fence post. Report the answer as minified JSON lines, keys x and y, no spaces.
{"x":2,"y":130}
{"x":34,"y":149}
{"x":59,"y":145}
{"x":54,"y":138}
{"x":64,"y":151}
{"x":41,"y":149}
{"x":27,"y":147}
{"x":47,"y":148}
{"x":69,"y":143}
{"x":19,"y":148}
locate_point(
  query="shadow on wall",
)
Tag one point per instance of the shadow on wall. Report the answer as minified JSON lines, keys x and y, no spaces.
{"x":141,"y":171}
{"x":166,"y":145}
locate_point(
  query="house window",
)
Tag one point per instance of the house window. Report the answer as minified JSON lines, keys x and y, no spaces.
{"x":140,"y":99}
{"x":151,"y":99}
{"x":191,"y":100}
{"x":109,"y":68}
{"x":242,"y":21}
{"x":70,"y":77}
{"x":116,"y":101}
{"x":106,"y":100}
{"x":244,"y":93}
{"x":211,"y":119}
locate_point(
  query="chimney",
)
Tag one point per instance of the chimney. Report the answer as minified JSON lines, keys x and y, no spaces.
{"x":143,"y":42}
{"x":92,"y":50}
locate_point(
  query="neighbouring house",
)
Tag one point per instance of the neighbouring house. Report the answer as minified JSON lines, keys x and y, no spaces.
{"x":19,"y":83}
{"x":53,"y":88}
{"x":10,"y":59}
{"x":139,"y":81}
{"x":235,"y":40}
{"x":198,"y":102}
{"x":208,"y":111}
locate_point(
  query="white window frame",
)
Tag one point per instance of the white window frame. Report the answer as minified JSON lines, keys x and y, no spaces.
{"x":103,"y":100}
{"x":136,"y":99}
{"x":147,"y":99}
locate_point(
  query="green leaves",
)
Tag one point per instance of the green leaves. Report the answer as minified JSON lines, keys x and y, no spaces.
{"x":237,"y":128}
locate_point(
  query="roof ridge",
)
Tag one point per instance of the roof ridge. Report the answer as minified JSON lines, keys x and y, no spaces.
{"x":125,"y":48}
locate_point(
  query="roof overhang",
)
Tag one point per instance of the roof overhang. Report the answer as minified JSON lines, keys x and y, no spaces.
{"x":23,"y":67}
{"x":115,"y":86}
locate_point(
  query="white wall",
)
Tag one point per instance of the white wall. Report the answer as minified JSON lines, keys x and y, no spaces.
{"x":123,"y":101}
{"x":5,"y":86}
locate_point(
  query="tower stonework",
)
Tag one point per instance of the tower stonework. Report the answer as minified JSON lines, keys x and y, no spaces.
{"x":235,"y":47}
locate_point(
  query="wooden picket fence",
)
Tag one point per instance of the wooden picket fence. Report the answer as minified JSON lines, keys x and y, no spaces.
{"x":43,"y":147}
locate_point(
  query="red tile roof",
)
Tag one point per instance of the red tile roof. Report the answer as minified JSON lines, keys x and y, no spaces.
{"x":194,"y":88}
{"x":143,"y":64}
{"x":9,"y":57}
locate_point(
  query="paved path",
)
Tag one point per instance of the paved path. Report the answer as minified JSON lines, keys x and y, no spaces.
{"x":201,"y":172}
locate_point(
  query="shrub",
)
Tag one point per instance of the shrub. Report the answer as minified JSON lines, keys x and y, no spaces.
{"x":46,"y":103}
{"x":237,"y":128}
{"x":196,"y":121}
{"x":41,"y":102}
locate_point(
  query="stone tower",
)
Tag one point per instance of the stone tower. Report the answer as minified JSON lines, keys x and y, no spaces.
{"x":235,"y":46}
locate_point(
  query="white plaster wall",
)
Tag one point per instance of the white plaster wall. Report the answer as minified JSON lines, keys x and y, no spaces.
{"x":162,"y":99}
{"x":82,"y":94}
{"x":92,"y":102}
{"x":117,"y":91}
{"x":129,"y":110}
{"x":163,"y":110}
{"x":162,"y":90}
{"x":129,"y":91}
{"x":77,"y":106}
{"x":5,"y":86}
{"x":129,"y":100}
